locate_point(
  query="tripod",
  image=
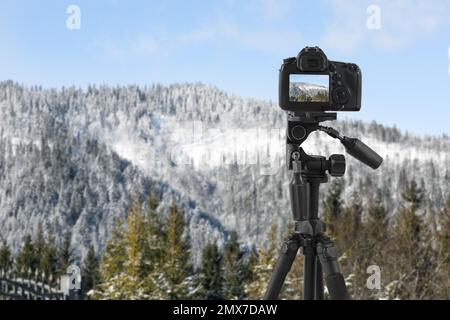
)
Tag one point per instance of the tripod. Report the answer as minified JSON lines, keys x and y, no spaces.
{"x":308,"y":172}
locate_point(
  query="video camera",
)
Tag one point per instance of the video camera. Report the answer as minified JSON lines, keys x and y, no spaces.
{"x":312,"y":83}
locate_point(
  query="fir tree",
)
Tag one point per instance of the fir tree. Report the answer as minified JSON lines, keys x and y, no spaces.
{"x":263,"y":265}
{"x":349,"y":225}
{"x":40,"y":246}
{"x":209,"y":279}
{"x":90,"y":273}
{"x":377,"y":223}
{"x":350,"y":244}
{"x":121,"y":264}
{"x":65,"y":258}
{"x":234,"y":269}
{"x":6,"y":260}
{"x":412,"y":247}
{"x":26,"y":259}
{"x":113,"y":279}
{"x":132,"y":282}
{"x":152,"y":243}
{"x":177,"y":256}
{"x":49,"y":260}
{"x":115,"y":255}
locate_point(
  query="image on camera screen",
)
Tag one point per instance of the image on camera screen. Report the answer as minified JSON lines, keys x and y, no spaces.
{"x":308,"y":88}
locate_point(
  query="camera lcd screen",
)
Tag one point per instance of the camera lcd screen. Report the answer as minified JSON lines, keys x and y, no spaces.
{"x":309,"y":88}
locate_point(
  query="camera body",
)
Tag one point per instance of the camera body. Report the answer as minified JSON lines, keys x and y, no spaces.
{"x":312,"y":83}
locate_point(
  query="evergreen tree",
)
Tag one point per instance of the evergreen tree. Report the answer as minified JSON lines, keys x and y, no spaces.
{"x":377,"y":223}
{"x":350,"y":245}
{"x":90,"y":273}
{"x":49,"y":259}
{"x":349,"y":225}
{"x":121,"y":263}
{"x":177,"y":256}
{"x":414,"y":265}
{"x":263,"y":265}
{"x":209,"y":279}
{"x":374,"y":245}
{"x":153,"y":241}
{"x":26,"y":259}
{"x":112,"y":266}
{"x":6,"y":260}
{"x":234,"y":269}
{"x":65,"y":258}
{"x":115,"y":255}
{"x":134,"y":232}
{"x":40,"y":247}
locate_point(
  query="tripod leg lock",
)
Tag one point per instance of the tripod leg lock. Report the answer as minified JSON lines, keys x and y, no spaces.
{"x":328,"y":257}
{"x":290,"y":245}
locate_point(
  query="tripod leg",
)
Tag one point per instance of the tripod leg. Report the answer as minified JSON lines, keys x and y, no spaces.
{"x":333,"y":277}
{"x":284,"y":264}
{"x":308,"y":273}
{"x":318,"y":290}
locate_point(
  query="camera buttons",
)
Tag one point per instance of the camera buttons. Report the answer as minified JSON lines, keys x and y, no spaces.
{"x":341,"y":95}
{"x":336,"y":76}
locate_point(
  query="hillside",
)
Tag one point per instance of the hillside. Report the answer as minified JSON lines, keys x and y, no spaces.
{"x":75,"y":160}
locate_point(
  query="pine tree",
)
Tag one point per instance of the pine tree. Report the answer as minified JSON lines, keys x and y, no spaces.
{"x":6,"y":260}
{"x":377,"y":224}
{"x":177,"y":256}
{"x":349,"y":242}
{"x":412,"y":248}
{"x":134,"y":284}
{"x":263,"y":265}
{"x":153,"y":241}
{"x":65,"y":258}
{"x":234,"y":269}
{"x":113,"y":279}
{"x":116,"y":254}
{"x":348,"y":227}
{"x":120,"y":269}
{"x":26,"y":259}
{"x":49,"y":260}
{"x":153,"y":253}
{"x":90,"y":273}
{"x":374,"y":245}
{"x":40,"y":246}
{"x":209,"y":279}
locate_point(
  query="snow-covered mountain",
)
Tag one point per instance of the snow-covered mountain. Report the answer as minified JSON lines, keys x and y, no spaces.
{"x":297,"y":89}
{"x":75,"y":160}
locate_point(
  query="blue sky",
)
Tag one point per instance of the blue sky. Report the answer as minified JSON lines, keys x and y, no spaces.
{"x":238,"y":46}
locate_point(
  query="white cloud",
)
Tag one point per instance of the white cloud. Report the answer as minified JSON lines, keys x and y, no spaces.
{"x":227,"y":30}
{"x":145,"y":44}
{"x":403,"y":23}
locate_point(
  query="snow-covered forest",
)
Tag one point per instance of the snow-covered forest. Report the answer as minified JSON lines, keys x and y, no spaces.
{"x":75,"y":160}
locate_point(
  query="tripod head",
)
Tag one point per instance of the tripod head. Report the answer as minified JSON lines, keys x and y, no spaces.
{"x":301,"y":125}
{"x":313,"y":170}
